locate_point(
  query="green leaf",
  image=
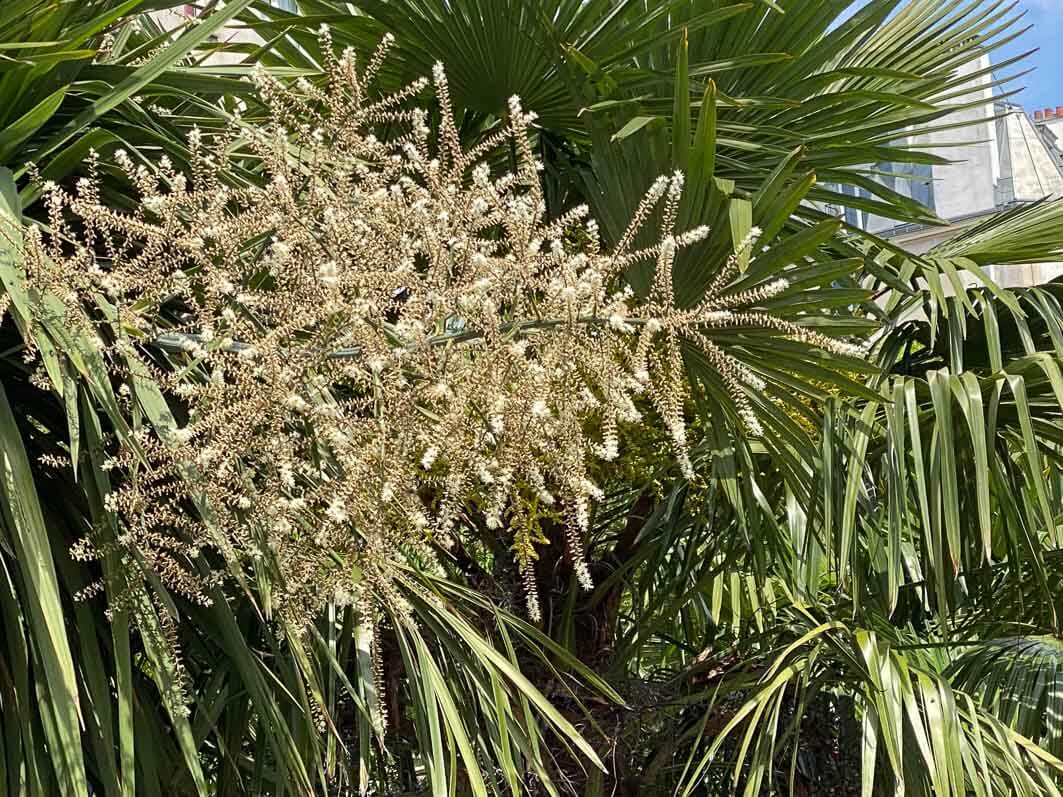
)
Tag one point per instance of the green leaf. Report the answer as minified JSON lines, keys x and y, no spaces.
{"x":29,"y":539}
{"x":145,"y":74}
{"x":634,"y":125}
{"x":12,"y":136}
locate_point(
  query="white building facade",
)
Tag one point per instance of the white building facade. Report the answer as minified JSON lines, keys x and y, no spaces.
{"x":999,"y":158}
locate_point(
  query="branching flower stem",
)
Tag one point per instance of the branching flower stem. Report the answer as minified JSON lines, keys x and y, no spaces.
{"x":382,"y":341}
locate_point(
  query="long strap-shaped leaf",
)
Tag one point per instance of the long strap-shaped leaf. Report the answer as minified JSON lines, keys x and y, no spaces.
{"x":145,"y":74}
{"x":43,"y":605}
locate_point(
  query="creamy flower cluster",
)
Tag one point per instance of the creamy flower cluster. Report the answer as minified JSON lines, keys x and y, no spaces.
{"x":382,"y":348}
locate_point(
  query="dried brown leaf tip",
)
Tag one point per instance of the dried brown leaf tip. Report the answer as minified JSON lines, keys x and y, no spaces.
{"x":381,"y":345}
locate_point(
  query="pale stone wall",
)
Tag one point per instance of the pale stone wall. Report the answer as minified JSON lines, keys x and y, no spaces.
{"x":231,"y":32}
{"x":995,"y":162}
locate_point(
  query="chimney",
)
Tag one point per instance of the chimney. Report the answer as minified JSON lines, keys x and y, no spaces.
{"x":1038,"y":116}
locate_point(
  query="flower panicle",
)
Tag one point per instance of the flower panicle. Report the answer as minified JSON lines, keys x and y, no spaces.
{"x":385,"y":347}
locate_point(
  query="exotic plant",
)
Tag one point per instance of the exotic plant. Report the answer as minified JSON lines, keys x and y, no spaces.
{"x":381,"y":345}
{"x":807,"y":587}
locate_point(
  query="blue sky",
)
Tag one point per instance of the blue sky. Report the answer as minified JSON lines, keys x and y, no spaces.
{"x":1044,"y":87}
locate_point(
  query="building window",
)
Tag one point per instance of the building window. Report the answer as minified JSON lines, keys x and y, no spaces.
{"x":922,"y":183}
{"x":853,"y":216}
{"x":885,"y":176}
{"x":913,"y":180}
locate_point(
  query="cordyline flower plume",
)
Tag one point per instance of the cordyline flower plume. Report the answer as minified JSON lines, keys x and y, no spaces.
{"x":380,"y":345}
